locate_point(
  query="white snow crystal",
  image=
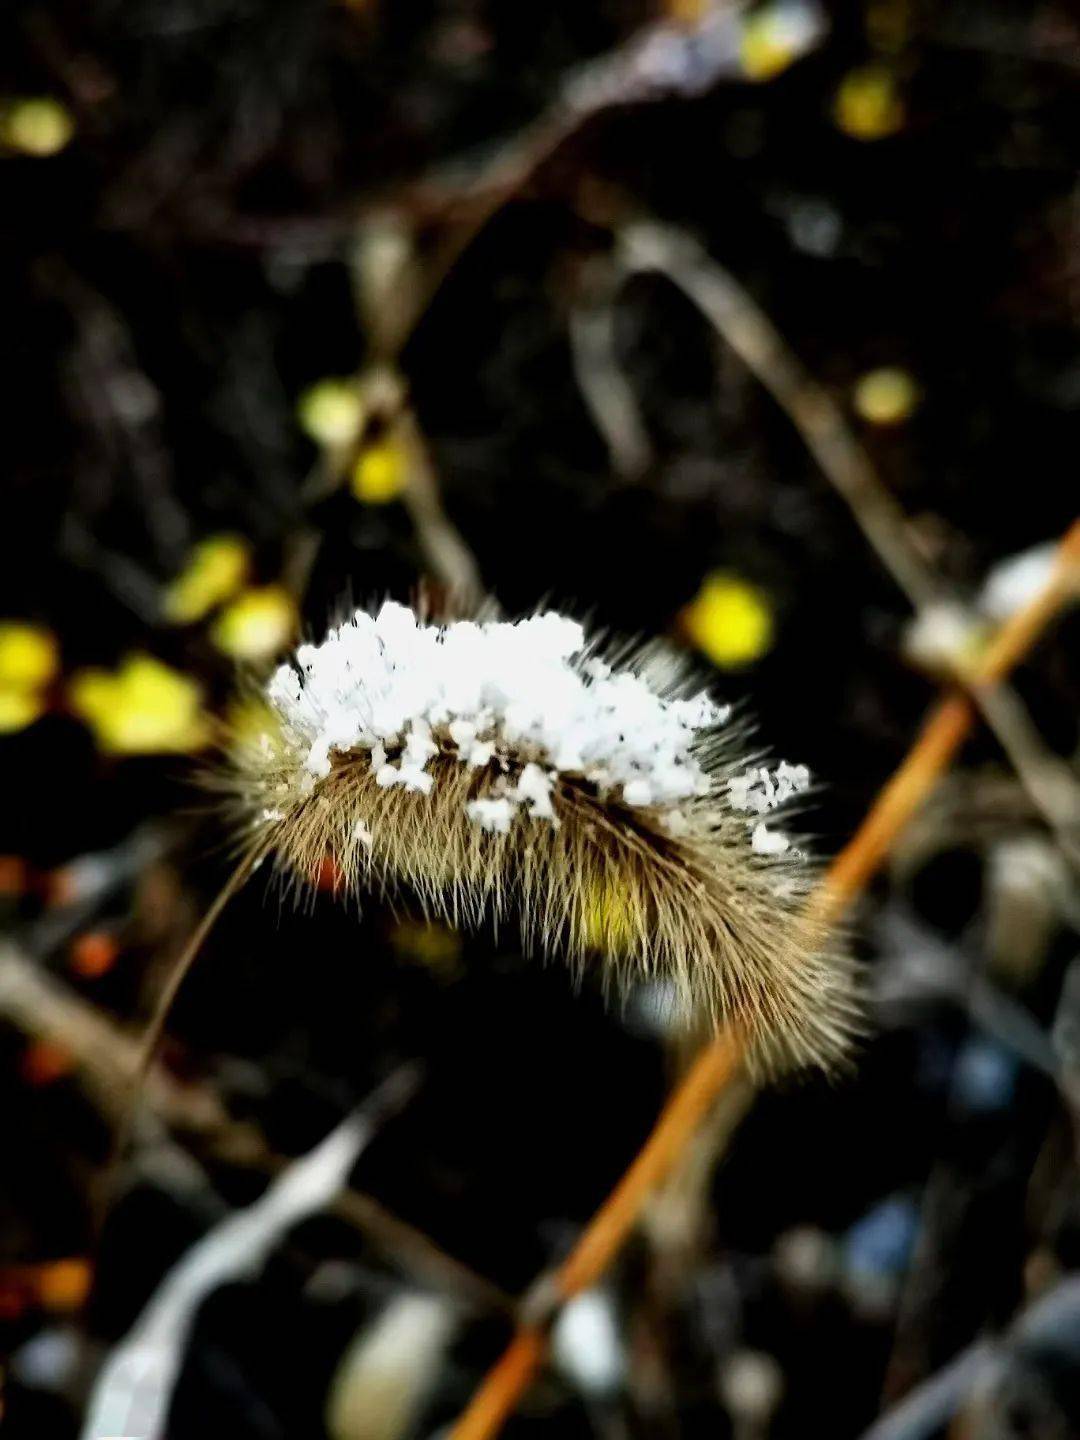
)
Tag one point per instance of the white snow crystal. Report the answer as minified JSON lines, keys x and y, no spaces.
{"x":759,"y":790}
{"x":764,"y":841}
{"x":534,"y":790}
{"x":494,"y":815}
{"x":481,"y":692}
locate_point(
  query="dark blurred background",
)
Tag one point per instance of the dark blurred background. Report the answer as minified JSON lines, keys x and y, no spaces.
{"x":306,"y":304}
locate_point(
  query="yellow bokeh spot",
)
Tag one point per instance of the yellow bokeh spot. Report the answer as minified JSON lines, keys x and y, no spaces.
{"x":18,"y":708}
{"x":430,"y":944}
{"x":729,"y":620}
{"x":331,"y":412}
{"x":772,"y":39}
{"x":257,"y":625}
{"x":28,"y":655}
{"x":886,"y":396}
{"x":41,"y":126}
{"x":143,"y":708}
{"x":687,"y":12}
{"x":607,"y":920}
{"x":380,"y":471}
{"x":214,"y":572}
{"x":868,"y":105}
{"x":254,"y":730}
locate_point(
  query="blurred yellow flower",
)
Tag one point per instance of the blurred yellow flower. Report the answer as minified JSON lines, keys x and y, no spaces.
{"x":886,"y":396}
{"x":214,"y":572}
{"x":143,"y":708}
{"x":39,"y":126}
{"x":729,"y":620}
{"x":253,"y":726}
{"x":432,"y":945}
{"x":331,"y":412}
{"x":868,"y":105}
{"x":18,"y":708}
{"x":257,"y":624}
{"x":380,"y":472}
{"x":28,"y":655}
{"x":606,"y":920}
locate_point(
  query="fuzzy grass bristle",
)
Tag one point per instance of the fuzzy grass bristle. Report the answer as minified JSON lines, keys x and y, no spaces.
{"x":504,"y":770}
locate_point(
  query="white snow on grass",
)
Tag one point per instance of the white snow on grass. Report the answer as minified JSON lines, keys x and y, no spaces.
{"x":760,"y":790}
{"x":529,"y":691}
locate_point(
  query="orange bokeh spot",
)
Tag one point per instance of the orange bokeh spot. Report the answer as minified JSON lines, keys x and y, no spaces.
{"x":329,"y":875}
{"x":14,"y":1295}
{"x":62,"y":886}
{"x":44,"y":1062}
{"x":12,"y":875}
{"x":63,"y":1285}
{"x":94,"y":954}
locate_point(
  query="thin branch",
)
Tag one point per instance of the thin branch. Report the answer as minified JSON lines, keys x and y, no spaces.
{"x":178,"y":972}
{"x":719,"y":1062}
{"x":741,"y":322}
{"x":135,"y":1387}
{"x":845,"y":463}
{"x":445,"y":549}
{"x":107,"y":1061}
{"x":603,"y":383}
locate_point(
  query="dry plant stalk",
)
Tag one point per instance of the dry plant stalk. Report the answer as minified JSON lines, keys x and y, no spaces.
{"x":720,"y":1060}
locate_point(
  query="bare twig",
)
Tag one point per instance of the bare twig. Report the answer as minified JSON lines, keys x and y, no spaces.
{"x":753,"y":337}
{"x":844,"y":461}
{"x":107,"y":1060}
{"x":720,"y":1061}
{"x":135,"y":1387}
{"x":1050,"y":782}
{"x":603,"y":383}
{"x":445,"y":549}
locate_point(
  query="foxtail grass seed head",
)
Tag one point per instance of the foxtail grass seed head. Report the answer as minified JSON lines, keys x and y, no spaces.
{"x":521,"y":769}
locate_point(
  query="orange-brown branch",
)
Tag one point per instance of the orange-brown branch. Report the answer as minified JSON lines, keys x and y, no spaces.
{"x":938,"y":741}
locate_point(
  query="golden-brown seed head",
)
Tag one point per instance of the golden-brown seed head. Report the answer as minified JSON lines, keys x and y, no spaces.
{"x":696,"y":890}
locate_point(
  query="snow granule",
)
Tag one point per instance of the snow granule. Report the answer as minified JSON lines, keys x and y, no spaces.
{"x":759,"y":790}
{"x":764,"y":841}
{"x":483,"y":692}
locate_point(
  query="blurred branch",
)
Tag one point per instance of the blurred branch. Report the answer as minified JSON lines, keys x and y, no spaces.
{"x":744,"y":326}
{"x":1049,"y":781}
{"x":39,"y":1004}
{"x":719,"y":1063}
{"x":135,"y":1387}
{"x":669,"y":58}
{"x":603,"y":383}
{"x":448,"y":555}
{"x":89,"y":881}
{"x":1048,"y":1326}
{"x":916,"y":966}
{"x":108,"y":1060}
